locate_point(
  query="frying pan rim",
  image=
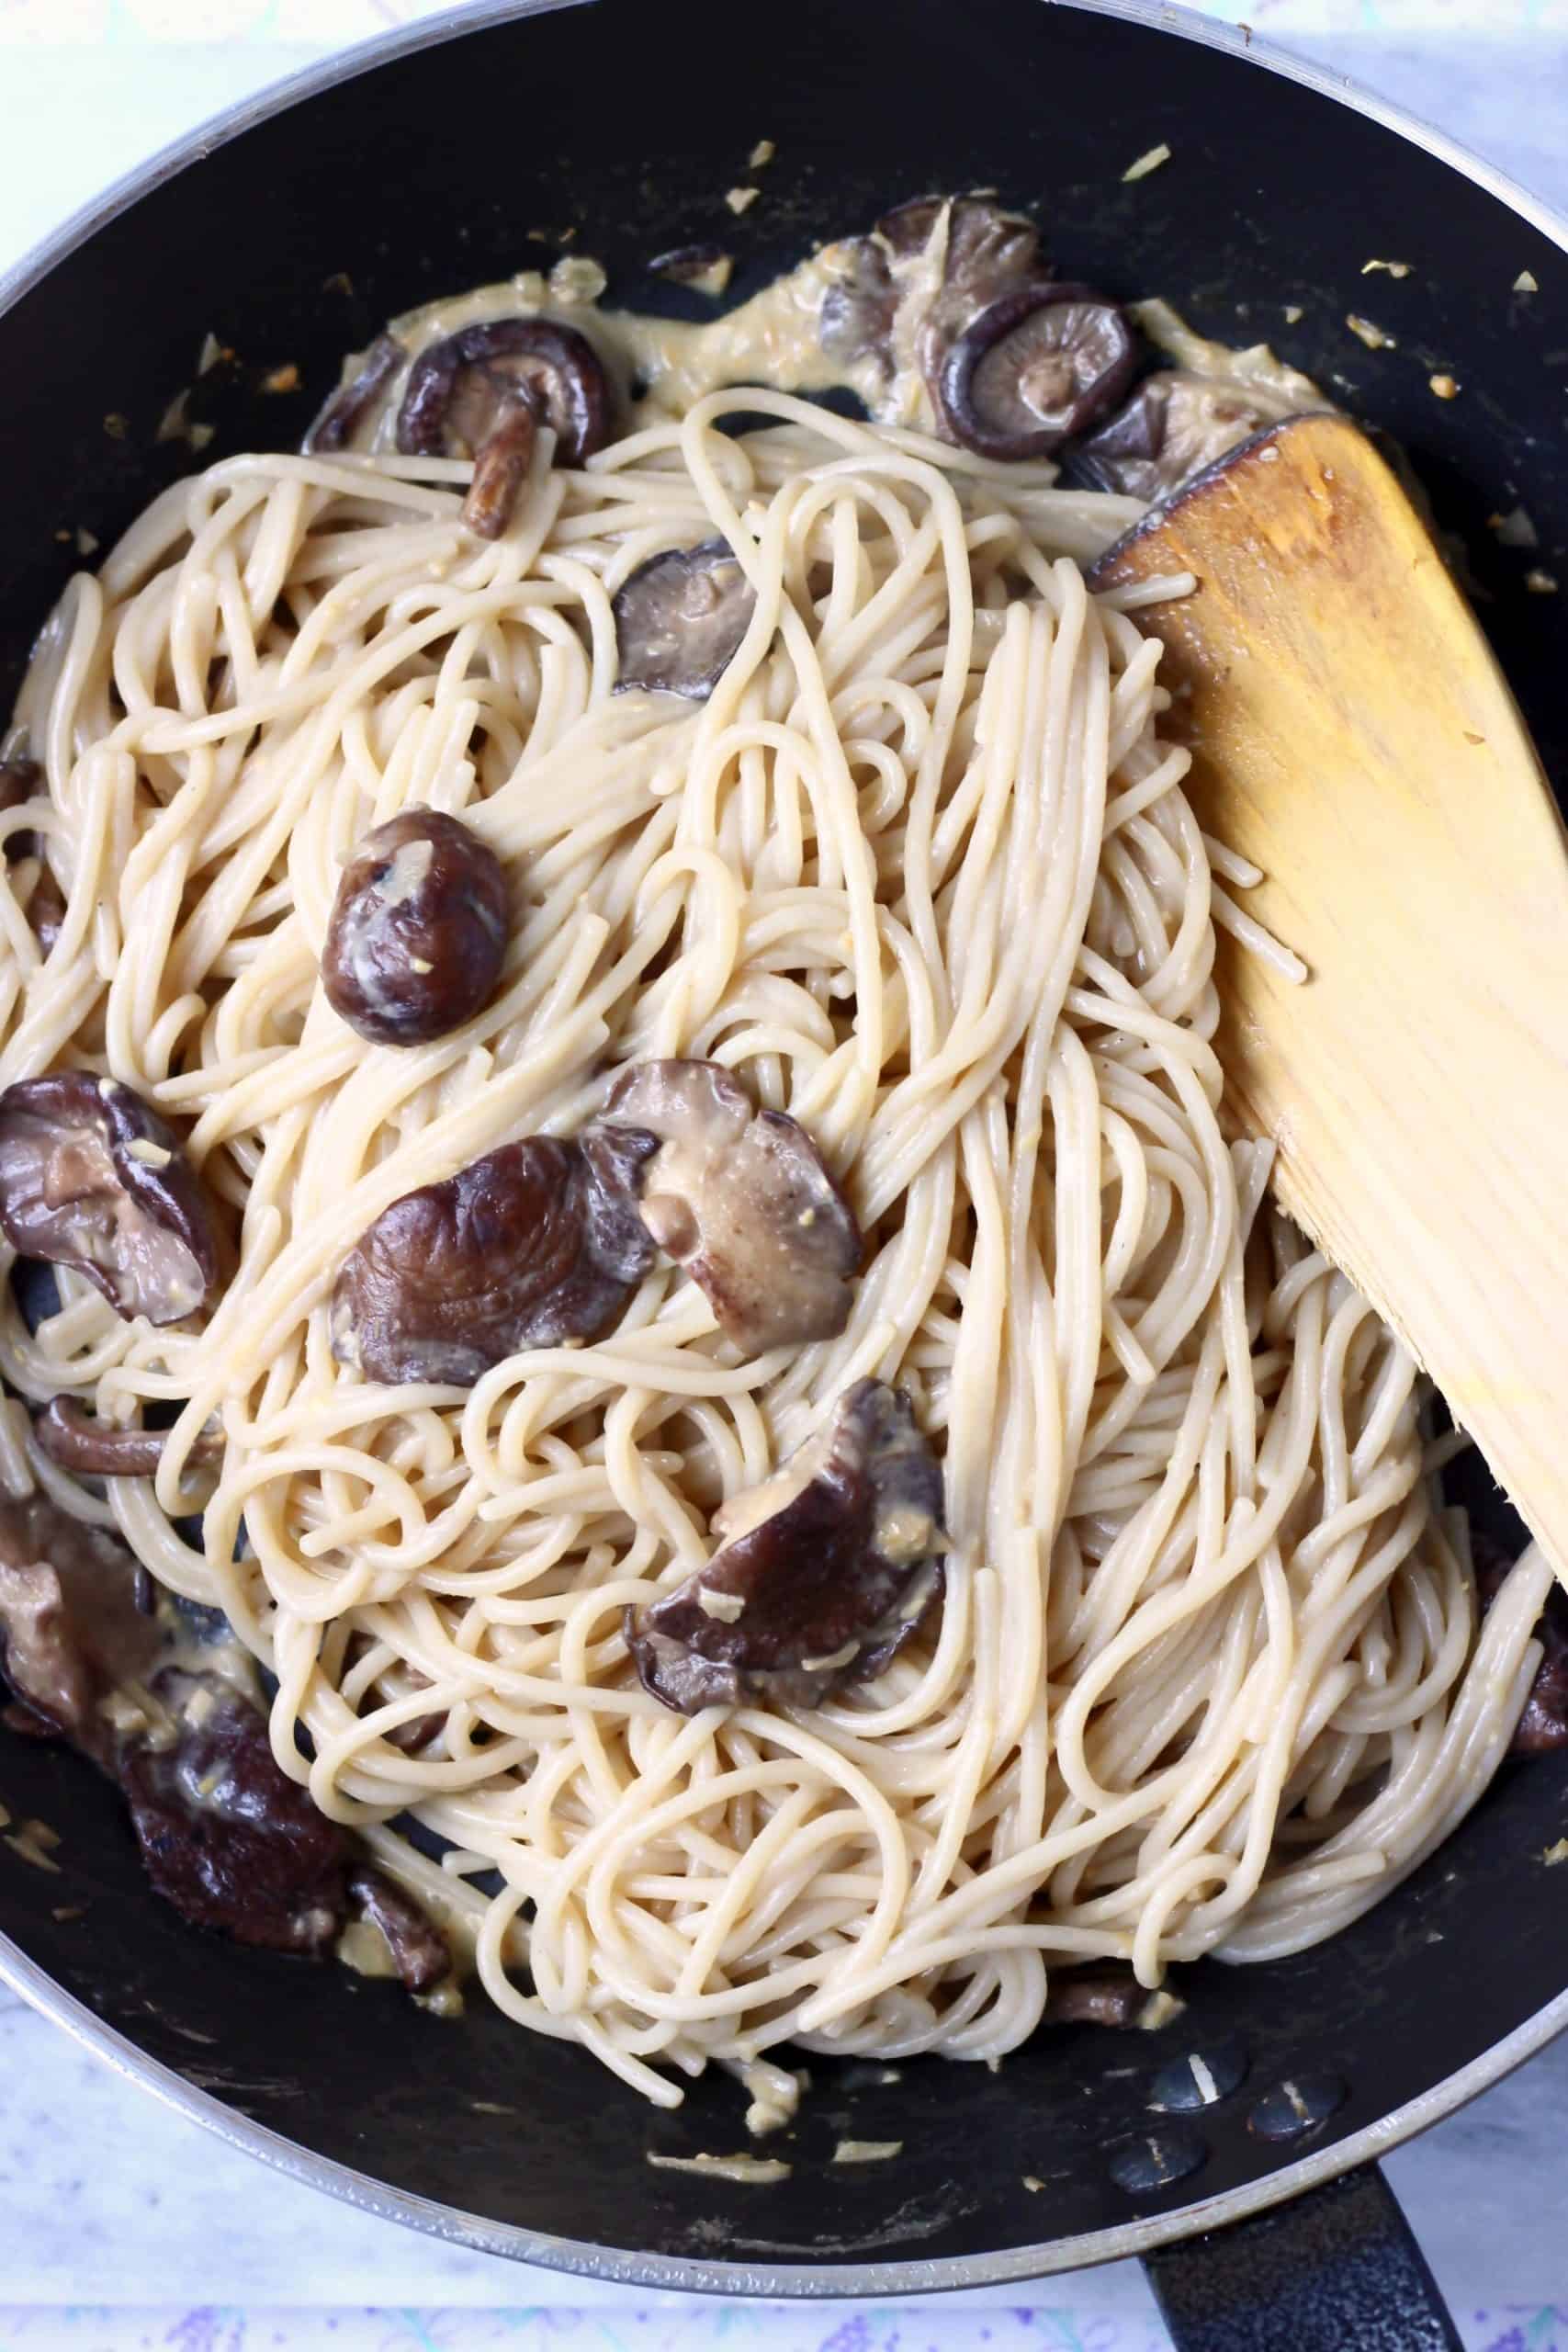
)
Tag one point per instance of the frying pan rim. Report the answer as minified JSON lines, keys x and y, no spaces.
{"x":1005,"y":2266}
{"x":820,"y":2281}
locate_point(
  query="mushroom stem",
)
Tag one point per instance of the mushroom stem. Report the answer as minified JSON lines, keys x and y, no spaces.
{"x":501,"y":468}
{"x":95,"y":1449}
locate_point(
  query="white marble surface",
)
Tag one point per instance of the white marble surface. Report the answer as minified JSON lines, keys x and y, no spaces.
{"x":122,"y":2225}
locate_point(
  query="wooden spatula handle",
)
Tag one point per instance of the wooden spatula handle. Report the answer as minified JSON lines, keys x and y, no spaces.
{"x":1354,"y":737}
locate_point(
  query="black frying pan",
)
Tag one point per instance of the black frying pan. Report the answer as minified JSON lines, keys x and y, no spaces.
{"x":292,"y":233}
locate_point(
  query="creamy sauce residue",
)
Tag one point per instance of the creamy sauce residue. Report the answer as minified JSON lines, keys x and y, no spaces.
{"x":663,"y":365}
{"x":1255,"y":369}
{"x":660,"y":368}
{"x":774,"y":2093}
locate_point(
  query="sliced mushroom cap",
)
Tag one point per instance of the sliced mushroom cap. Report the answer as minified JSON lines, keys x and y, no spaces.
{"x":824,"y":1569}
{"x":1095,"y":1996}
{"x":396,"y":1680}
{"x":679,"y":618}
{"x":1037,"y":365}
{"x":989,"y":251}
{"x":906,"y":229}
{"x":473,"y":388}
{"x":341,"y":418}
{"x":91,"y":1176}
{"x":70,"y":1629}
{"x":741,"y":1199}
{"x":421,"y":1953}
{"x":1174,"y":425}
{"x":538,"y":1243}
{"x":984,"y":253}
{"x":857,"y":313}
{"x":417,"y":934}
{"x":227,"y":1836}
{"x":92,"y":1449}
{"x":1543,"y":1721}
{"x":46,"y":909}
{"x":21,"y":779}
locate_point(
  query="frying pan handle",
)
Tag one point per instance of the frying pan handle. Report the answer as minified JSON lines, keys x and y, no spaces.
{"x":1336,"y":2270}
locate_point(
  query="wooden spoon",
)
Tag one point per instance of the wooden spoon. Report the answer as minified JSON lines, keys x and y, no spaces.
{"x":1352,"y":735}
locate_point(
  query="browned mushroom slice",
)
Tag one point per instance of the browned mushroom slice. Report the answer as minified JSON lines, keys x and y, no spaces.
{"x":91,"y":1176}
{"x":21,"y":779}
{"x":395,"y":1681}
{"x":989,"y":251}
{"x":823,"y":1571}
{"x":859,"y":308}
{"x":1174,"y":426}
{"x":343,"y":413}
{"x":741,"y":1199}
{"x":536,"y":1243}
{"x":679,"y":618}
{"x":1037,"y":365}
{"x":417,"y":934}
{"x":467,"y":390}
{"x":986,"y":254}
{"x":1095,"y":1996}
{"x":226,"y":1834}
{"x":46,"y":909}
{"x":421,"y":1953}
{"x":1543,"y":1723}
{"x":70,"y":1629}
{"x":92,"y":1449}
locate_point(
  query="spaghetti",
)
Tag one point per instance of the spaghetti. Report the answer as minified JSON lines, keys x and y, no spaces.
{"x":1207,"y":1675}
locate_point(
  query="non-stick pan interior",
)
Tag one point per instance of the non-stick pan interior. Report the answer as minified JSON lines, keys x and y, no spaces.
{"x":625,"y":123}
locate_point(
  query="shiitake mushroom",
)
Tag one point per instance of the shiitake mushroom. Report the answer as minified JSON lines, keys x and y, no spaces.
{"x":227,"y":1836}
{"x":417,"y":935}
{"x":858,"y":311}
{"x":480,"y":393}
{"x":679,"y":618}
{"x":92,"y":1449}
{"x":1036,"y":367}
{"x":91,"y":1176}
{"x":421,"y":1953}
{"x":1544,"y":1719}
{"x":542,"y":1241}
{"x":536,"y":1243}
{"x":741,"y":1197}
{"x":21,"y":780}
{"x":1091,"y":1996}
{"x":341,"y":417}
{"x":1174,"y":425}
{"x":823,"y":1571}
{"x":70,"y":1630}
{"x":987,"y":252}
